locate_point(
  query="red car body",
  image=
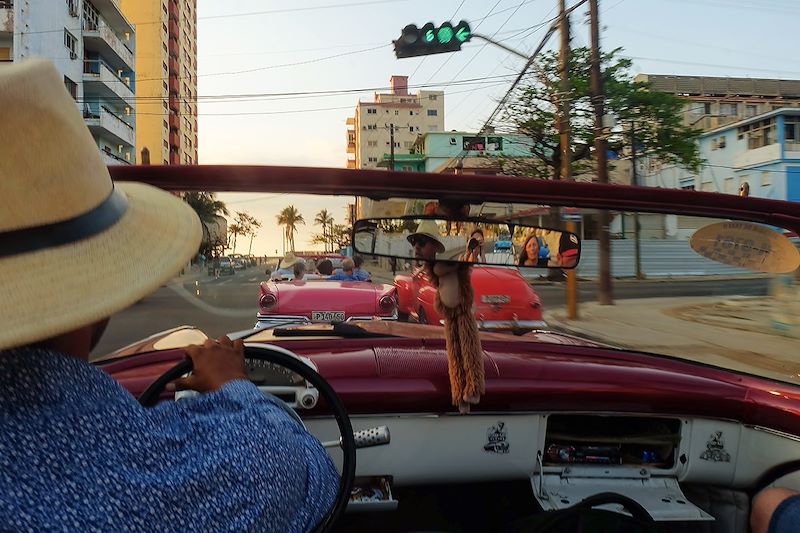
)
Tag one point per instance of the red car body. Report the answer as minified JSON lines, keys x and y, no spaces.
{"x":503,"y":299}
{"x":300,"y":301}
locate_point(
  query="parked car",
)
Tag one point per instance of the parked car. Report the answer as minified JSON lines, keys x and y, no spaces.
{"x":503,"y":299}
{"x":321,"y":300}
{"x":683,"y":396}
{"x":226,"y":266}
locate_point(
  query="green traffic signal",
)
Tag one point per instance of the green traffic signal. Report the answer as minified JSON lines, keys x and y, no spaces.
{"x":430,"y":39}
{"x":445,"y":34}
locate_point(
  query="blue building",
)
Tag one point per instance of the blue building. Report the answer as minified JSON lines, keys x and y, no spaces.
{"x":761,"y":153}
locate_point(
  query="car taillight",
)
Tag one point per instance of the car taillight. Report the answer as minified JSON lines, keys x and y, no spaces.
{"x":268,"y":300}
{"x":387,"y":303}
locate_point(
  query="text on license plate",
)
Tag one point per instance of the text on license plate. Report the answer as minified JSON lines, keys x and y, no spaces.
{"x":327,"y":316}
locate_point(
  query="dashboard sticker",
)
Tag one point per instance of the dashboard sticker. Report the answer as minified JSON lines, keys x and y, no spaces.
{"x":497,"y":439}
{"x":715,"y":449}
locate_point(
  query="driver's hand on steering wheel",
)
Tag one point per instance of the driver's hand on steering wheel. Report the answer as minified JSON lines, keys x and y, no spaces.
{"x":215,"y":363}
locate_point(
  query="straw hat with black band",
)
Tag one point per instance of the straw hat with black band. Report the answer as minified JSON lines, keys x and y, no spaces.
{"x":75,"y":248}
{"x":428,"y":229}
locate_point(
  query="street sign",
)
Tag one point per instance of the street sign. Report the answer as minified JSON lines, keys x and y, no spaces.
{"x":570,"y":214}
{"x":430,"y":39}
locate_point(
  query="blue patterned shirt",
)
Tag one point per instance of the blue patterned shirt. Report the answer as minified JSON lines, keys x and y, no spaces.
{"x":78,"y":453}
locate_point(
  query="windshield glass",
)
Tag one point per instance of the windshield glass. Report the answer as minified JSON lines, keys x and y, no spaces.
{"x":457,"y":87}
{"x":278,"y":261}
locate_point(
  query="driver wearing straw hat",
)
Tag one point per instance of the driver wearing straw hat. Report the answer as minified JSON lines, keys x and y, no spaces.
{"x":426,"y":241}
{"x":286,"y":270}
{"x":78,"y":451}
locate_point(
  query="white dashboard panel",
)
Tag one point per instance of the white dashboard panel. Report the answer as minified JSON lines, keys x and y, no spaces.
{"x":711,"y":448}
{"x":444,"y":448}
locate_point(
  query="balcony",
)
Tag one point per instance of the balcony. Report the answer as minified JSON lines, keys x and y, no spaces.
{"x":351,"y":148}
{"x":174,"y":102}
{"x":174,"y":84}
{"x":108,"y":123}
{"x":102,"y":39}
{"x":174,"y":67}
{"x":6,"y":16}
{"x":110,"y":158}
{"x":174,"y":140}
{"x":100,"y":80}
{"x":174,"y":121}
{"x":351,"y":163}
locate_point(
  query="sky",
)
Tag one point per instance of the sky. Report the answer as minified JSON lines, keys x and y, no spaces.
{"x":258,"y":47}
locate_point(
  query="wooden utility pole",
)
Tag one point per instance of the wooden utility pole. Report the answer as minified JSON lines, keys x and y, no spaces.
{"x":604,"y":288}
{"x":564,"y":144}
{"x":391,"y":147}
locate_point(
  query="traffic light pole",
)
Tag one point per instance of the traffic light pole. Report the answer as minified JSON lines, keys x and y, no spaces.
{"x":391,"y":147}
{"x":504,"y":47}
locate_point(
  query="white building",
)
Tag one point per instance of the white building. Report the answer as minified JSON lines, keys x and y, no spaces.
{"x":93,"y":46}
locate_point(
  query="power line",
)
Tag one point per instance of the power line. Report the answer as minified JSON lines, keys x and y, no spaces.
{"x":480,"y":21}
{"x":306,"y":94}
{"x":425,"y":57}
{"x":233,"y":15}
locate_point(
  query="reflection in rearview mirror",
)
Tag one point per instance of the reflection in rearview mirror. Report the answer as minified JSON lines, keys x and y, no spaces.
{"x":466,"y":240}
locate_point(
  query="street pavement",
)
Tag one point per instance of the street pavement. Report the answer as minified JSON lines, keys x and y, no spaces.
{"x":735,"y":332}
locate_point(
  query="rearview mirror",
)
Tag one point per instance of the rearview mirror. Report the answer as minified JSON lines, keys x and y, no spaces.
{"x":468,"y":240}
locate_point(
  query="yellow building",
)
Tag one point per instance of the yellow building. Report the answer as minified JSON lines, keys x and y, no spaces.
{"x":166,"y":84}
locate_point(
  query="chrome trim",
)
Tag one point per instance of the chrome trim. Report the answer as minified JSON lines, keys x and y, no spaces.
{"x":777,"y":433}
{"x":538,"y":325}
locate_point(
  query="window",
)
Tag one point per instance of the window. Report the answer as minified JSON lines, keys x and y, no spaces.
{"x":166,"y":126}
{"x":71,"y":43}
{"x":372,"y":126}
{"x":729,"y":110}
{"x":372,"y":144}
{"x":406,"y":168}
{"x":433,"y":97}
{"x":72,"y":88}
{"x":72,"y":6}
{"x":494,"y":144}
{"x":761,"y":133}
{"x":707,"y":186}
{"x":474,"y":143}
{"x":166,"y":87}
{"x":91,"y":19}
{"x":166,"y":107}
{"x":396,"y":112}
{"x":432,"y":112}
{"x":453,"y":141}
{"x":730,"y":186}
{"x":411,"y":113}
{"x":751,"y":110}
{"x":766,"y":179}
{"x":407,"y":144}
{"x":166,"y":147}
{"x":707,"y":108}
{"x":372,"y":159}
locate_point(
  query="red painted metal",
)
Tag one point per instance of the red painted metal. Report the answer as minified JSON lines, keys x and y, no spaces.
{"x":395,"y":375}
{"x":416,"y":292}
{"x":379,"y":184}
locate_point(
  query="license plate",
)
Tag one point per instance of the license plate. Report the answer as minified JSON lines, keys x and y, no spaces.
{"x":327,"y":316}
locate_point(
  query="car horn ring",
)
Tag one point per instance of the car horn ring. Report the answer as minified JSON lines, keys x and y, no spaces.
{"x":287,"y":359}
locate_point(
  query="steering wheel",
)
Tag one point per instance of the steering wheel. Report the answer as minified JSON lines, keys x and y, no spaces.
{"x":289,"y":360}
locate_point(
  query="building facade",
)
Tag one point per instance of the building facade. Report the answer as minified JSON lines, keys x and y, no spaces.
{"x":398,"y":114}
{"x":713,"y":102}
{"x":93,"y":46}
{"x":167,"y":70}
{"x":760,"y":153}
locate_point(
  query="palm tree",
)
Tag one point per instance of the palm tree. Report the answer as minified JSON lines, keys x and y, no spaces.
{"x":290,"y":217}
{"x":325,"y":220}
{"x":235,"y":230}
{"x":209,"y":210}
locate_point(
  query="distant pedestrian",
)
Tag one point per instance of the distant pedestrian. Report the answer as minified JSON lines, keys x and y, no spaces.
{"x":217,"y":267}
{"x":393,"y":264}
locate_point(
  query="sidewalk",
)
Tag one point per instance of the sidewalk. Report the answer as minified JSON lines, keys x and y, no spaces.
{"x":732,"y":332}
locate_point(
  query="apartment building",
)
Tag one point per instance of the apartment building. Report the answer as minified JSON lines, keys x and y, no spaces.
{"x":400,"y":114}
{"x":713,"y":102}
{"x":93,"y":46}
{"x":167,"y":71}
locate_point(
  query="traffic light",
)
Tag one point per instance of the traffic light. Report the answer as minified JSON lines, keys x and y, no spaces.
{"x":429,"y":39}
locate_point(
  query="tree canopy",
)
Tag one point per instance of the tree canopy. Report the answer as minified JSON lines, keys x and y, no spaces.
{"x":653,"y":118}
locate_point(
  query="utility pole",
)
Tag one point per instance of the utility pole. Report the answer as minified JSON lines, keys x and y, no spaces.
{"x":604,"y":289}
{"x":564,"y":144}
{"x":391,"y":147}
{"x":636,"y":230}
